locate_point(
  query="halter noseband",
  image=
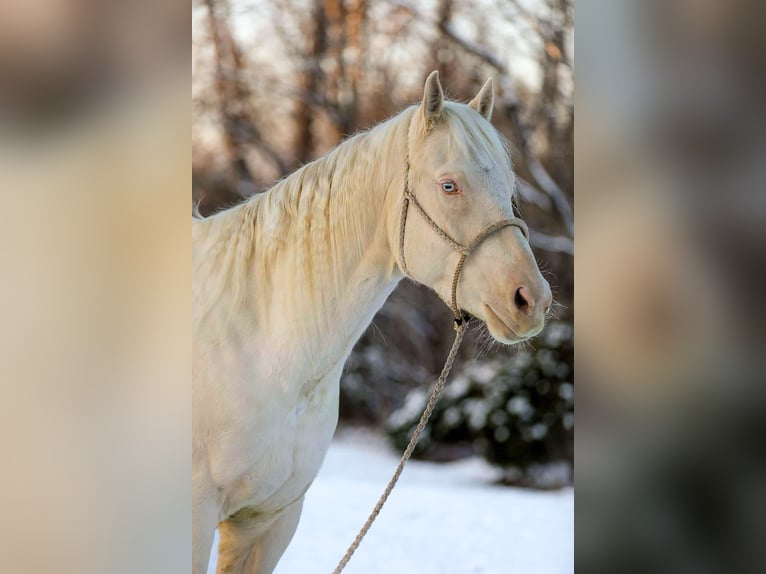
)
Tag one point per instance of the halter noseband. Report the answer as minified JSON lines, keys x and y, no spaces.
{"x":460,"y":316}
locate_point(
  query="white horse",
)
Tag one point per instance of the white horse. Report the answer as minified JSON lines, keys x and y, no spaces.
{"x":286,"y":283}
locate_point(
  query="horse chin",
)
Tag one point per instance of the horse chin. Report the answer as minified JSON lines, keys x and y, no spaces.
{"x":498,"y":328}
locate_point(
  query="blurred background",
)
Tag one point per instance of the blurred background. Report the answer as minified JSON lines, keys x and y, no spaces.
{"x":671,"y":403}
{"x":276,"y":84}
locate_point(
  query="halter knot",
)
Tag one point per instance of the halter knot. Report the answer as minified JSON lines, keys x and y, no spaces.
{"x":461,"y":322}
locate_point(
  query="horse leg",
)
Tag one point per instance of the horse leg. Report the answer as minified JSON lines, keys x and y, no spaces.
{"x":245,"y":549}
{"x":271,"y":545}
{"x":204,"y":519}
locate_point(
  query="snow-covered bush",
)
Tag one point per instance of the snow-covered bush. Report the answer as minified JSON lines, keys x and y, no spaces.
{"x":516,"y":411}
{"x":373,"y":384}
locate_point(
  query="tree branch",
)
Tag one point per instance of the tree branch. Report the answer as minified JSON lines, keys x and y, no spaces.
{"x":536,"y":174}
{"x":554,"y":244}
{"x":539,"y":176}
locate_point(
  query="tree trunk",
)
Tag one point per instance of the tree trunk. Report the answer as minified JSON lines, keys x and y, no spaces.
{"x":308,"y":83}
{"x":234,"y":101}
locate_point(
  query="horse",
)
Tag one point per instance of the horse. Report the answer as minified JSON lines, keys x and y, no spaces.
{"x":285,"y":283}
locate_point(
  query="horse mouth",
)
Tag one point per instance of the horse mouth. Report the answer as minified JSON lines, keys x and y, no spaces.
{"x":498,"y":328}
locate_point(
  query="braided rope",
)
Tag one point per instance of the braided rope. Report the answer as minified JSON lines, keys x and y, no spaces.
{"x":455,"y":280}
{"x":515,"y":222}
{"x":438,"y":386}
{"x":403,"y":218}
{"x":457,"y":246}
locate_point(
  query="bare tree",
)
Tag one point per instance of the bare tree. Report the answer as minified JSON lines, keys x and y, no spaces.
{"x":235,"y":100}
{"x":334,"y":74}
{"x":528,"y":166}
{"x":330,"y":72}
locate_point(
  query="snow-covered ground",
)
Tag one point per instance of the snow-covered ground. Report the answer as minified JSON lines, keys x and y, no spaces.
{"x":440,"y":519}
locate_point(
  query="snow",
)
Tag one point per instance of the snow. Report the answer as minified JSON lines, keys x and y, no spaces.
{"x":440,"y":518}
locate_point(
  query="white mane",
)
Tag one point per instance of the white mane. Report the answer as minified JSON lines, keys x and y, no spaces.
{"x":314,"y":221}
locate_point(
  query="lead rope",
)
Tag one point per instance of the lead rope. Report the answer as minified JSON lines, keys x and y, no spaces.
{"x":460,"y":326}
{"x":459,"y":332}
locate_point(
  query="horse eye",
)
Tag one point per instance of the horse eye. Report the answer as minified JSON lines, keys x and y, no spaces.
{"x":449,"y":187}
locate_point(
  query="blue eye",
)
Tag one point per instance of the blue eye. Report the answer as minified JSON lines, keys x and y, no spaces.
{"x":449,"y":186}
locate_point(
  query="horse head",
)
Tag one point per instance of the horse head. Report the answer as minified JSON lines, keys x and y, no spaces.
{"x":466,"y":243}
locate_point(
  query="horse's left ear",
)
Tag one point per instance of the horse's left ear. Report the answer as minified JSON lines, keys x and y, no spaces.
{"x":433,"y":100}
{"x":485,"y":100}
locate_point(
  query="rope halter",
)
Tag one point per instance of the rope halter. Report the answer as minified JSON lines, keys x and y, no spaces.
{"x":464,"y":250}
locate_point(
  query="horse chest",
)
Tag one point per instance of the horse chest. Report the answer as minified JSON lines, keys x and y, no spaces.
{"x":282,"y":443}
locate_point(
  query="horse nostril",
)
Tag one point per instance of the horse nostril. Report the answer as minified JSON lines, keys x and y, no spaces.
{"x":522,"y":299}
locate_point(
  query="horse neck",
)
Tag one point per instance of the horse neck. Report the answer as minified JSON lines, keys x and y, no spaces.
{"x":325,"y":241}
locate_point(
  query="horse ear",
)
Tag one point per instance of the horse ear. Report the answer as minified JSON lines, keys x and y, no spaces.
{"x":433,"y":100}
{"x":485,"y":100}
